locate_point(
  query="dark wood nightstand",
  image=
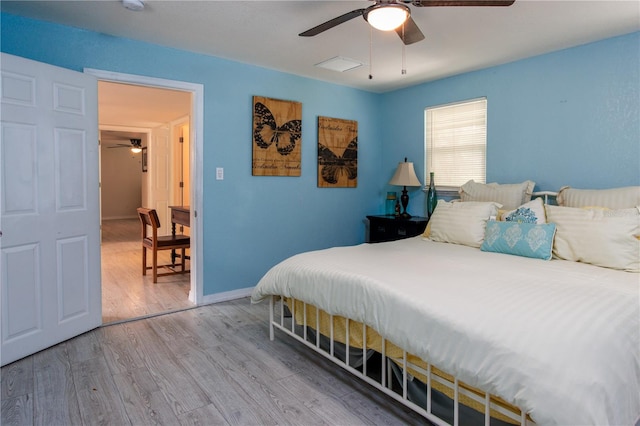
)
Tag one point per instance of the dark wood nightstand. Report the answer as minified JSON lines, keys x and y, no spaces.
{"x":390,"y":228}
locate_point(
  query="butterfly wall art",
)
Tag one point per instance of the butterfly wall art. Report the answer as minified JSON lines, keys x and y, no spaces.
{"x":337,"y":153}
{"x":277,"y":137}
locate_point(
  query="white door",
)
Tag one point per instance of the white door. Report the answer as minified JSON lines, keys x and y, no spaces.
{"x":49,"y":206}
{"x":159,"y":168}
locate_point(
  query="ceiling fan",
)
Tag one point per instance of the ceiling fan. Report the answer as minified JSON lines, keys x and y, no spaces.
{"x":136,"y":145}
{"x":387,"y":15}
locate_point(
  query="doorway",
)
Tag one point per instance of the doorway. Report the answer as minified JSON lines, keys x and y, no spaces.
{"x":159,"y":112}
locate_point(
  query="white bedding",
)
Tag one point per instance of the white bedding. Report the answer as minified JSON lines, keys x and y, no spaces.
{"x":559,"y":339}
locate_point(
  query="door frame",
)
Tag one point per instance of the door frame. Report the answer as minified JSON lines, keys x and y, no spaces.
{"x":196,"y":131}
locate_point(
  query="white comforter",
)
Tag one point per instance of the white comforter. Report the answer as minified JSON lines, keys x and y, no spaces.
{"x":559,"y":339}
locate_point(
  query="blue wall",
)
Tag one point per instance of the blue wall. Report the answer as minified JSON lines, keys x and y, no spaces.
{"x":565,"y":118}
{"x":250,"y":223}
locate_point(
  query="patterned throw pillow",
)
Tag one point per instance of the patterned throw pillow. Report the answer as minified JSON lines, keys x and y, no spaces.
{"x":531,"y":212}
{"x":520,"y":239}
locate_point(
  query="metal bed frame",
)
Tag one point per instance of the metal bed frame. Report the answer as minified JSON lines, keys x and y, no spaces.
{"x":287,"y":324}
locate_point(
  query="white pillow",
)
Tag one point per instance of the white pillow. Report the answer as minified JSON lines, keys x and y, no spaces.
{"x":509,"y":195}
{"x":602,"y":237}
{"x":461,"y":223}
{"x":614,"y":198}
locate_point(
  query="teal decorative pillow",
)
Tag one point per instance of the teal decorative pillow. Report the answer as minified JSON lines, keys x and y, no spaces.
{"x":520,"y":239}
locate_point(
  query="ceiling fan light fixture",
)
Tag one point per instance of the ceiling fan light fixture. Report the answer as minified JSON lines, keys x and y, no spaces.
{"x":136,"y":145}
{"x":387,"y":16}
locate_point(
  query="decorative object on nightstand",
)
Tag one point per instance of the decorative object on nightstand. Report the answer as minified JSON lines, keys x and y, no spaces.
{"x":432,"y":198}
{"x":405,"y":176}
{"x":390,"y":203}
{"x":389,"y":228}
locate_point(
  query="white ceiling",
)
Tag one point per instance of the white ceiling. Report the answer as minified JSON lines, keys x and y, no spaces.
{"x":265,"y":33}
{"x":139,"y":106}
{"x":124,"y":108}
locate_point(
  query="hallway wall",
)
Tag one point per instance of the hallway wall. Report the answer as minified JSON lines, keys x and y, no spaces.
{"x":121,"y":183}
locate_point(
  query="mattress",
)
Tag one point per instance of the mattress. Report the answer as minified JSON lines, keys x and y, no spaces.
{"x":559,"y":339}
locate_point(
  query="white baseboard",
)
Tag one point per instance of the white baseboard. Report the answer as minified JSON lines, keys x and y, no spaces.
{"x":119,"y":217}
{"x":227,"y":295}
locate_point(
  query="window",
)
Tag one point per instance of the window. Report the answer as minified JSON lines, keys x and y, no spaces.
{"x":456,"y":142}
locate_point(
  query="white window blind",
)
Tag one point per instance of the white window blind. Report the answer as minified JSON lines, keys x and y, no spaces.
{"x":456,"y":142}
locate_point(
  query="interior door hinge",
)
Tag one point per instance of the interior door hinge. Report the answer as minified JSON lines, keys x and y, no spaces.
{"x":181,"y":184}
{"x":181,"y":139}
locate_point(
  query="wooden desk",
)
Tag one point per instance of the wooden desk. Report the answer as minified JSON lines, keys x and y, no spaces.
{"x":180,"y":215}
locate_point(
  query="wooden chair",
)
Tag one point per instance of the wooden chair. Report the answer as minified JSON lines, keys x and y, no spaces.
{"x":149,"y":218}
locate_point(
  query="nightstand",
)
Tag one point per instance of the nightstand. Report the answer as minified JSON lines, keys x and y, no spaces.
{"x":390,"y":228}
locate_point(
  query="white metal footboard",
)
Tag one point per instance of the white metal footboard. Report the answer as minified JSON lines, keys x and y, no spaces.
{"x":278,"y":320}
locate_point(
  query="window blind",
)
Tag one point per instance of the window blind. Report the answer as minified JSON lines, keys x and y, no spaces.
{"x":456,"y":142}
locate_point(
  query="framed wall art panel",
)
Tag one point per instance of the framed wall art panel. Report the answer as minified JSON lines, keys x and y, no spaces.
{"x":337,"y":153}
{"x":144,"y":159}
{"x":277,"y":137}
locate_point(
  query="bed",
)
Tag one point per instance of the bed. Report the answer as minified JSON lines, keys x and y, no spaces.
{"x":514,"y":338}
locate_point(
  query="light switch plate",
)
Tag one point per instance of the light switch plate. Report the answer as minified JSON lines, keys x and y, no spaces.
{"x":219,"y":173}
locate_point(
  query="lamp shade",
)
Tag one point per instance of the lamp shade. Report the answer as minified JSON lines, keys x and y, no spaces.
{"x":405,"y":175}
{"x":386,"y":17}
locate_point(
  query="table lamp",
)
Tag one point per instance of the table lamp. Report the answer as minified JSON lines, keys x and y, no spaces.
{"x":405,"y":176}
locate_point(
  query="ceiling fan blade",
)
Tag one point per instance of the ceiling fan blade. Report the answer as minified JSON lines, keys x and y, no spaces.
{"x":119,"y":145}
{"x":428,"y":3}
{"x":332,"y":23}
{"x":409,"y":32}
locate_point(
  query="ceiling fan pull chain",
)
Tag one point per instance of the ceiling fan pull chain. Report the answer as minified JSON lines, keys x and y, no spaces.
{"x":404,"y":54}
{"x":370,"y":52}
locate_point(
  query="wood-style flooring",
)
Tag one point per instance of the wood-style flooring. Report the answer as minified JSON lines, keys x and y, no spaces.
{"x":212,"y":365}
{"x":126,"y":293}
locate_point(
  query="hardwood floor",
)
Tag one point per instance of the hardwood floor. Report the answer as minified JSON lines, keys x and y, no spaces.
{"x":125,"y":292}
{"x":212,"y":365}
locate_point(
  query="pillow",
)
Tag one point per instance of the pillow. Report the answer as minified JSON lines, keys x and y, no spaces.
{"x":531,"y":212}
{"x":427,"y":230}
{"x":615,"y":198}
{"x":607,"y":238}
{"x":510,"y":195}
{"x":461,"y":223}
{"x":520,"y":239}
